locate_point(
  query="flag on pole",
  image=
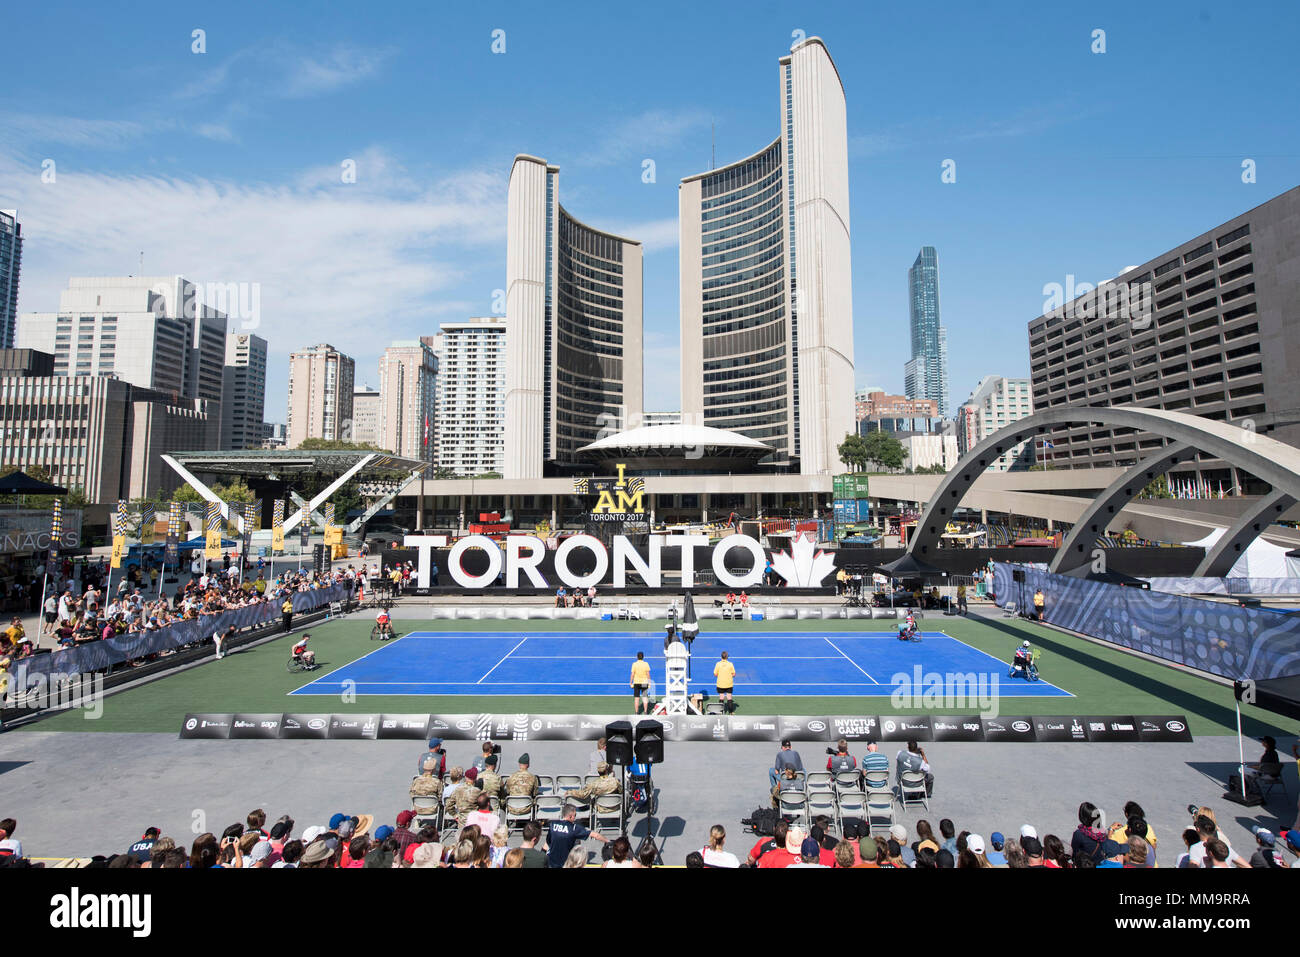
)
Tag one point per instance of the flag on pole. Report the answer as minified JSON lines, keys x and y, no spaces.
{"x":121,"y":517}
{"x":56,"y":522}
{"x":277,"y":526}
{"x":146,"y":523}
{"x":212,"y":526}
{"x":329,"y":513}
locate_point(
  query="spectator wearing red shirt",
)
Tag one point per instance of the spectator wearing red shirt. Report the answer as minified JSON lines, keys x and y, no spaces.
{"x":841,"y":760}
{"x":766,"y":844}
{"x":785,"y":856}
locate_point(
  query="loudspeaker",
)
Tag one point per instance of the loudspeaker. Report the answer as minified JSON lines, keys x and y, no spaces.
{"x":650,"y":742}
{"x":1017,"y":575}
{"x":618,"y":743}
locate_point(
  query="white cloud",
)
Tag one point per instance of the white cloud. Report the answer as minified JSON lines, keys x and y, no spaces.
{"x":646,"y":135}
{"x":340,"y":67}
{"x":654,"y":235}
{"x":356,"y":265}
{"x":47,"y":130}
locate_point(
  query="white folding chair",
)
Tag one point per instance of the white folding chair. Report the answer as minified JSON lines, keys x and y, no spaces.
{"x":880,"y":814}
{"x":794,"y":805}
{"x":820,"y":781}
{"x":607,"y":814}
{"x":549,"y":807}
{"x":545,"y":784}
{"x":877,"y":780}
{"x":1009,"y":610}
{"x":854,"y":804}
{"x":564,"y":783}
{"x":847,"y":781}
{"x":911,"y":789}
{"x":518,"y":811}
{"x":823,"y":802}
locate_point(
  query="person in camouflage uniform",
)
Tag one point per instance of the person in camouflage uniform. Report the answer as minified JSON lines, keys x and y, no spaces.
{"x":428,"y":784}
{"x":605,"y":783}
{"x":465,"y":801}
{"x":523,"y":781}
{"x":489,"y":781}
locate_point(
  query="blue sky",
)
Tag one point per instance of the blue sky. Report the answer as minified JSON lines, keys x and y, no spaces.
{"x":225,"y":166}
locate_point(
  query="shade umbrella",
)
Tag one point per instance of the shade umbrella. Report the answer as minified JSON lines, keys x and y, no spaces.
{"x":20,"y":483}
{"x":690,"y":628}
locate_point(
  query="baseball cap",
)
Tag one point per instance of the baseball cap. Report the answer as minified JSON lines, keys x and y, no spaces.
{"x":867,"y":849}
{"x":1033,"y":848}
{"x":810,"y":847}
{"x":336,"y":820}
{"x":435,"y":743}
{"x":898,"y":833}
{"x":997,"y":840}
{"x":312,"y":833}
{"x":383,"y":832}
{"x":944,"y":858}
{"x":975,"y":843}
{"x":1264,"y":834}
{"x":405,"y":818}
{"x":1028,"y":831}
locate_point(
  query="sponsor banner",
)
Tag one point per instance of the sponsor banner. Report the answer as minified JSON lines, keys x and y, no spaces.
{"x":559,"y":727}
{"x":412,"y":726}
{"x":305,"y":726}
{"x":956,"y":728}
{"x":694,"y":727}
{"x":351,"y":727}
{"x":521,"y":728}
{"x":256,"y":726}
{"x":905,"y":727}
{"x":206,"y":726}
{"x":853,"y":728}
{"x":1060,"y":728}
{"x":1008,"y":729}
{"x":815,"y":728}
{"x":761,"y":727}
{"x":1123,"y":728}
{"x":1163,"y":728}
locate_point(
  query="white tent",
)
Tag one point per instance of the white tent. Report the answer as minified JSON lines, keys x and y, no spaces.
{"x":1260,"y":560}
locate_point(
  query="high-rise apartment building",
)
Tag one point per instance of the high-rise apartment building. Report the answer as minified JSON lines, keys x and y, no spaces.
{"x":996,"y":402}
{"x":366,"y":416}
{"x":320,"y":395}
{"x":407,"y":416}
{"x":11,"y":261}
{"x":152,"y":332}
{"x":1209,"y":328}
{"x":573,"y":327}
{"x":471,"y":395}
{"x":926,"y":373}
{"x":243,"y":402}
{"x":766,"y":291}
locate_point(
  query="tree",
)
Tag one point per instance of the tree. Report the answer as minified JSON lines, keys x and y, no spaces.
{"x":884,"y":450}
{"x":336,"y":445}
{"x":1158,"y":487}
{"x":852,"y":452}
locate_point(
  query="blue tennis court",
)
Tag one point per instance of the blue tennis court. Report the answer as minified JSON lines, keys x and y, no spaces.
{"x":599,"y":663}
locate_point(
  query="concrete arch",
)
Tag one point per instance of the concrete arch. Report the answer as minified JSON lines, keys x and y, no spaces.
{"x":1218,"y":561}
{"x":1268,"y":459}
{"x":1076,"y":550}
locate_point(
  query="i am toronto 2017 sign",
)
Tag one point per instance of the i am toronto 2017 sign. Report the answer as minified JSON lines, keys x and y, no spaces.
{"x":803,"y":567}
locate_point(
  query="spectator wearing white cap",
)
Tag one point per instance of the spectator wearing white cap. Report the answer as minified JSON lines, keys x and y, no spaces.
{"x":973,"y":856}
{"x":899,"y":833}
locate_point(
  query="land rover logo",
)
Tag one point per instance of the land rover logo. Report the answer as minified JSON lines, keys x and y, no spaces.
{"x":1021,"y":726}
{"x":816,"y":727}
{"x":465,"y":725}
{"x":668,"y":727}
{"x":191,"y":724}
{"x":1177,"y":727}
{"x":317,"y":723}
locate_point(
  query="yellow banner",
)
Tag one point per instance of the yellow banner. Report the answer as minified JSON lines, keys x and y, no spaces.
{"x":212,"y":545}
{"x":119,"y":547}
{"x":334,"y":535}
{"x":277,"y":539}
{"x":146,"y":533}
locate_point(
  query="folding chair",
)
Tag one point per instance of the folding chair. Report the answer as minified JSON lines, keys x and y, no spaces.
{"x":1009,"y":610}
{"x":518,"y":811}
{"x":588,"y":779}
{"x":823,"y":802}
{"x":548,"y":807}
{"x":880,"y":814}
{"x":854,"y":804}
{"x":911,"y":789}
{"x":820,"y":781}
{"x":847,"y":781}
{"x":564,"y":783}
{"x":427,"y":810}
{"x":545,"y":784}
{"x":793,"y":805}
{"x":608,"y":813}
{"x":875,"y":780}
{"x":1268,"y":777}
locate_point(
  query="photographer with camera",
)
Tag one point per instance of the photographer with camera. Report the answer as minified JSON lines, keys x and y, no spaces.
{"x":840,"y":759}
{"x":480,"y":763}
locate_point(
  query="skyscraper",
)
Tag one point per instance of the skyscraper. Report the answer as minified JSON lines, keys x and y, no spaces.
{"x":407,"y":376}
{"x":926,"y":373}
{"x":243,"y":400}
{"x":11,"y":260}
{"x":766,"y":291}
{"x":573,"y":327}
{"x":471,"y":395}
{"x":320,"y":395}
{"x":366,"y":411}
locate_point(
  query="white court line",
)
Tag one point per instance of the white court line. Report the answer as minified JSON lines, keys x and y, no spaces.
{"x":498,"y":664}
{"x":625,"y":657}
{"x":851,"y":661}
{"x":606,"y":684}
{"x":1000,"y":663}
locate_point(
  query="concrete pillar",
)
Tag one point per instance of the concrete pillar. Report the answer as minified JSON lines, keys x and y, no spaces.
{"x":651,"y":497}
{"x":419,"y":506}
{"x":1050,"y":527}
{"x":704,"y":507}
{"x":461,"y":526}
{"x":984,"y":516}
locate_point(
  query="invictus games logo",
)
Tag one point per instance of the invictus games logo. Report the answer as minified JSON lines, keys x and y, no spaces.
{"x":621,"y":497}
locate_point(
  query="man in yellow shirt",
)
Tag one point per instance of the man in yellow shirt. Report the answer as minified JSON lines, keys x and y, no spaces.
{"x":640,"y":683}
{"x":725,"y":674}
